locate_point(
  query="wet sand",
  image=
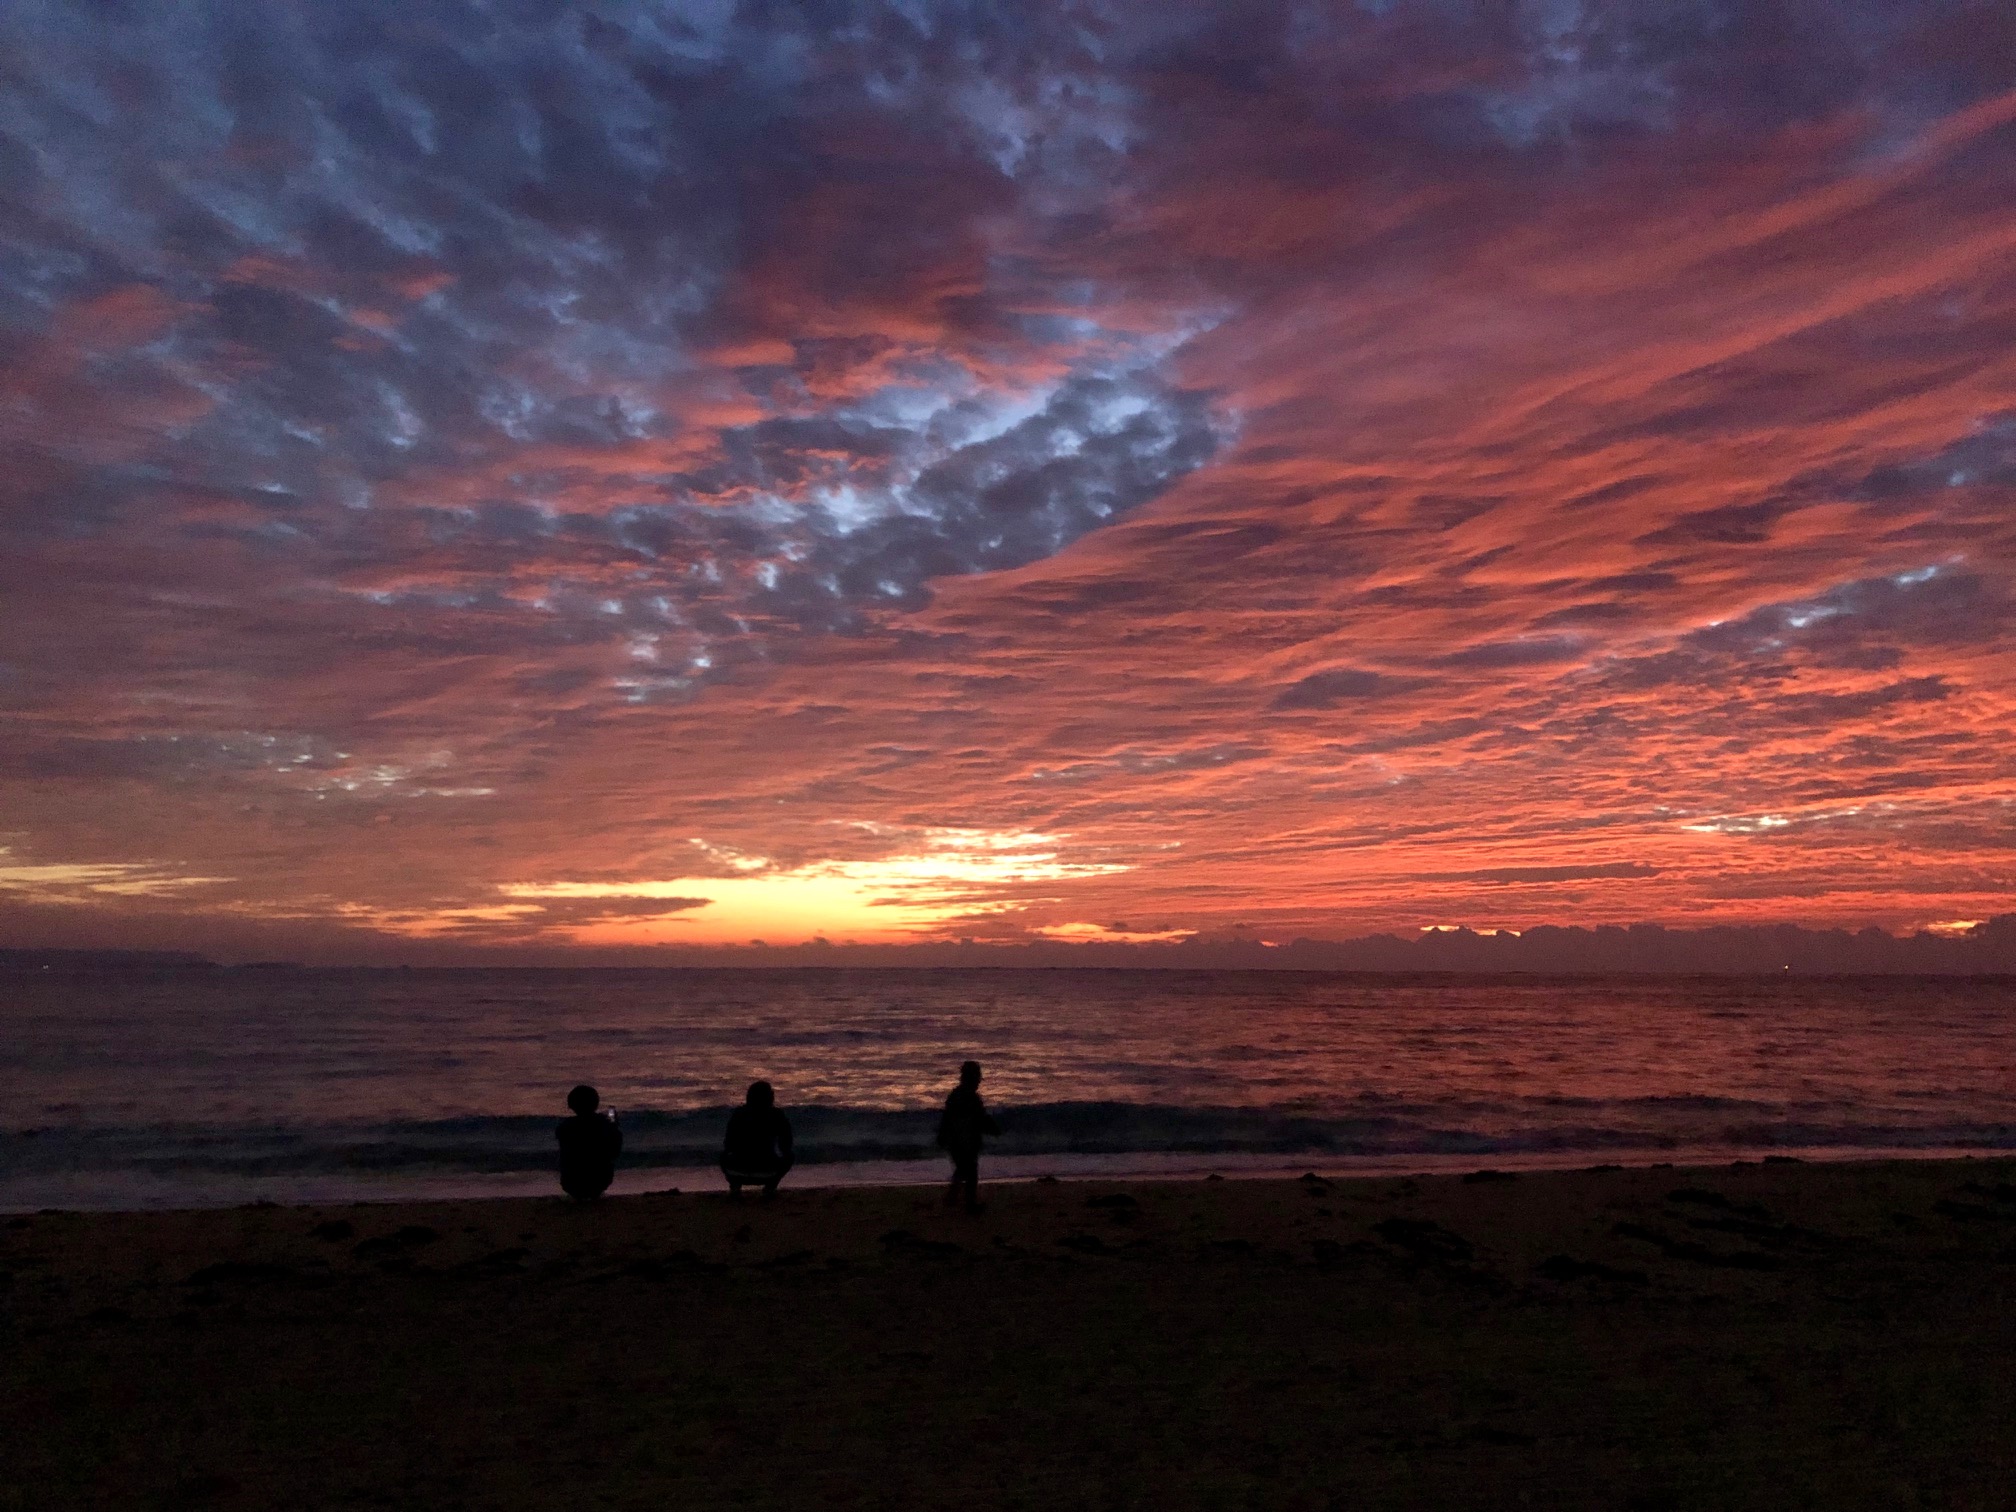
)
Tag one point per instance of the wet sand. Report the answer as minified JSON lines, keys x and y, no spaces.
{"x":1775,"y":1335}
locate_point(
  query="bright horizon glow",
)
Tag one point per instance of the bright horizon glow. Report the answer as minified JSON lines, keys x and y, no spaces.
{"x":57,"y":883}
{"x":954,"y":880}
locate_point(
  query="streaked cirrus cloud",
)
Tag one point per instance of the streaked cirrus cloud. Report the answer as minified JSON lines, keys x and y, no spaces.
{"x":1319,"y":466}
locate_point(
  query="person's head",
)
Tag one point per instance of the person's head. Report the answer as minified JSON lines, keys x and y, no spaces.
{"x":584,"y":1100}
{"x":969,"y":1074}
{"x":761,"y":1095}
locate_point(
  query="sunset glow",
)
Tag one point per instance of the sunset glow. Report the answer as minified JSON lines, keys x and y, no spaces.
{"x":1127,"y":473}
{"x":957,"y":876}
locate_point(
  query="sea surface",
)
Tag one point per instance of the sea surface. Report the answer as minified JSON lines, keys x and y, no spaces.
{"x":201,"y":1088}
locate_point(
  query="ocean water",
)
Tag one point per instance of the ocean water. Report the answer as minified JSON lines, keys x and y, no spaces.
{"x":205,"y":1088}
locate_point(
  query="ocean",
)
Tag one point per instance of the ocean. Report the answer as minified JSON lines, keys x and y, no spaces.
{"x":187,"y":1088}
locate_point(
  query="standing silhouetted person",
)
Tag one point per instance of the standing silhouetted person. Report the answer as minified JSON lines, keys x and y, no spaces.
{"x":589,"y":1145}
{"x":962,"y":1129}
{"x":757,"y":1150}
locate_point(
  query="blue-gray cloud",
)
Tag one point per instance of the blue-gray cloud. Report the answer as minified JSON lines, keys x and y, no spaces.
{"x":392,"y":394}
{"x":433,"y":308}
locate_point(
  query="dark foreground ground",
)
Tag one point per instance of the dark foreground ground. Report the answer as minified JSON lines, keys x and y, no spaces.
{"x":1776,"y":1336}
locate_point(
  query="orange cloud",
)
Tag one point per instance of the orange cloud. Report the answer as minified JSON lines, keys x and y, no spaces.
{"x":1350,"y":482}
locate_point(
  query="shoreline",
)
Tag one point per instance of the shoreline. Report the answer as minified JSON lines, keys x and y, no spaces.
{"x":142,"y":1192}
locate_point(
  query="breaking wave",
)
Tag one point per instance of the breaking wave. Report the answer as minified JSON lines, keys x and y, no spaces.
{"x":1552,"y":1127}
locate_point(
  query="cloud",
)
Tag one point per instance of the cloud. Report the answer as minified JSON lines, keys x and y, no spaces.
{"x":1517,"y":874}
{"x":1286,"y":450}
{"x":495,"y":332}
{"x":1326,"y":690}
{"x":939,"y":881}
{"x":1527,"y":651}
{"x":55,"y":882}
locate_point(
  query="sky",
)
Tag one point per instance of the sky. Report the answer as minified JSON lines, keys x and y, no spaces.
{"x":517,"y":477}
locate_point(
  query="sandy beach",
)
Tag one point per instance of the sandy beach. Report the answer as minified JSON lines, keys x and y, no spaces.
{"x":1776,"y":1335}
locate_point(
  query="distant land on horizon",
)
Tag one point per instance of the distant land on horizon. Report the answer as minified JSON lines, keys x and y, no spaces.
{"x":101,"y":960}
{"x":1985,"y":949}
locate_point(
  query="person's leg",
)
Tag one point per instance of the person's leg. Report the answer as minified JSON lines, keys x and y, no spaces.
{"x":734,"y":1189}
{"x":967,"y":1179}
{"x":783,"y":1170}
{"x":586,"y":1186}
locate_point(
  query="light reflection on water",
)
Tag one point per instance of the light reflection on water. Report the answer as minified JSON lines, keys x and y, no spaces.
{"x":1101,"y":1065}
{"x":319,"y":1046}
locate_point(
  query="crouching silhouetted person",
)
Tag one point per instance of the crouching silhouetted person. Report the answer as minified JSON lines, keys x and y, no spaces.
{"x":962,"y":1129}
{"x":757,"y":1151}
{"x":589,"y":1145}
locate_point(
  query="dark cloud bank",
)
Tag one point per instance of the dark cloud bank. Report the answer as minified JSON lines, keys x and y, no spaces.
{"x":1985,"y":949}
